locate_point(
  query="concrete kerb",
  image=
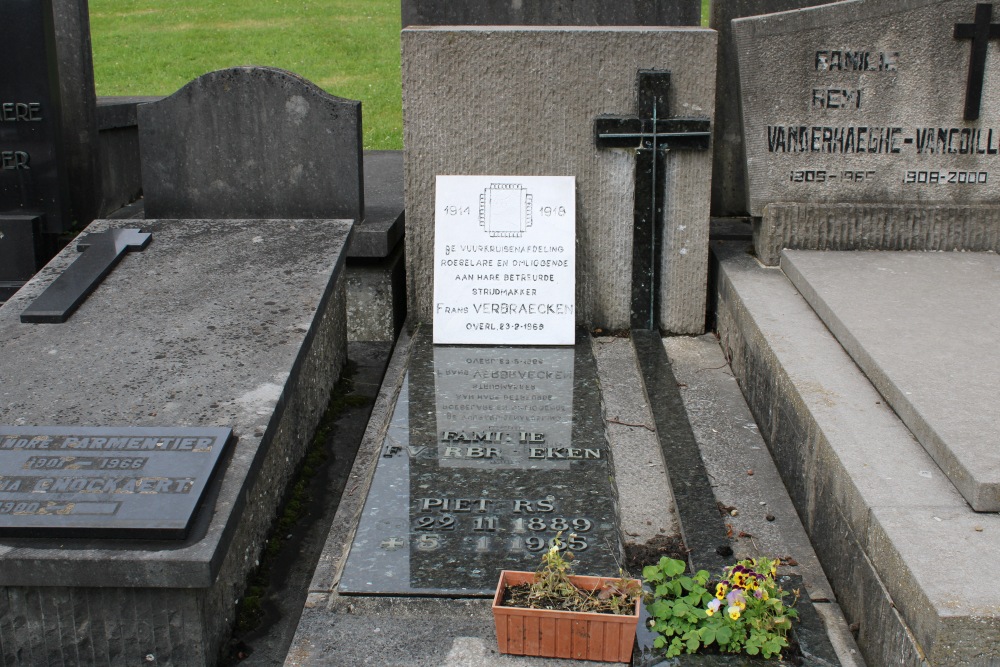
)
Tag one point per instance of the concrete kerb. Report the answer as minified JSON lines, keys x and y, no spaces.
{"x":882,"y":552}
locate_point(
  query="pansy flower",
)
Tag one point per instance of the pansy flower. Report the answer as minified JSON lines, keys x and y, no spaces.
{"x":713,"y":607}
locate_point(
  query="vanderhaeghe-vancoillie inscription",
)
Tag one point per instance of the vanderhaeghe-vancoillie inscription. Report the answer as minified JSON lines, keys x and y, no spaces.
{"x":872,"y":101}
{"x":139,"y":482}
{"x":505,"y":260}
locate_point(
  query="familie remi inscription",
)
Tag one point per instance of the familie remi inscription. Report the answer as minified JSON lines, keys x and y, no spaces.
{"x":872,"y":101}
{"x":505,"y":260}
{"x":139,"y":482}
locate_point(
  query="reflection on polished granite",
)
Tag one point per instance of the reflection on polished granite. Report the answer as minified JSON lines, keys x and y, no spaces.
{"x":489,"y":454}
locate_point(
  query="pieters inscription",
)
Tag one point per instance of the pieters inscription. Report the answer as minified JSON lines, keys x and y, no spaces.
{"x":865,"y":117}
{"x":105,"y":482}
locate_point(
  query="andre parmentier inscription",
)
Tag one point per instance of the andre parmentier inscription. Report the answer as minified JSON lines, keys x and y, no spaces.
{"x":109,"y":482}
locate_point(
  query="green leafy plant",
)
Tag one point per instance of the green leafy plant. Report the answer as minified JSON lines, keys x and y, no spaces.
{"x":553,"y":589}
{"x":744,"y":611}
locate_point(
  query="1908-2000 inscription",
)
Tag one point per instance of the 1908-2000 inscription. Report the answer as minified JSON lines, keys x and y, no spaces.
{"x":105,"y":482}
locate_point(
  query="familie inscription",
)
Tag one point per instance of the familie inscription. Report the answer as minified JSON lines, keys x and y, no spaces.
{"x":491,"y":453}
{"x":872,"y":101}
{"x":505,"y":260}
{"x":139,"y":482}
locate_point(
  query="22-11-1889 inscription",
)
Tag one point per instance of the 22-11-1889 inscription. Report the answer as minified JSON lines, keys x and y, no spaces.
{"x":854,"y":114}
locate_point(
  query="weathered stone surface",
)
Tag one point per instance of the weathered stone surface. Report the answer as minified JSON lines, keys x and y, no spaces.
{"x":252,"y":142}
{"x":880,"y":88}
{"x":551,"y":12}
{"x":118,"y":143}
{"x":923,"y":327}
{"x":512,"y":101}
{"x":875,"y":226}
{"x":236,"y":323}
{"x":729,"y":194}
{"x":379,"y":233}
{"x":881,"y":514}
{"x":78,"y":101}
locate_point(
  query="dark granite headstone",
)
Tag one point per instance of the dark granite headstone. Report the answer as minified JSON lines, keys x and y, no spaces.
{"x":490,"y":454}
{"x":32,"y":174}
{"x":139,"y":482}
{"x":252,"y":142}
{"x":551,"y":12}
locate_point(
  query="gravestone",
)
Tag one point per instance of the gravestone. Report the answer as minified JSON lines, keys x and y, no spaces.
{"x":34,"y":198}
{"x":527,"y":101}
{"x":217,"y":325}
{"x":491,"y":453}
{"x":252,"y":142}
{"x":864,"y":138}
{"x":729,"y":194}
{"x":551,"y":12}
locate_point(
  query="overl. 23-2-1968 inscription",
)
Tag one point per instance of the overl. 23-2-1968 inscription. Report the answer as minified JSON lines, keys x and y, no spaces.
{"x":105,"y":482}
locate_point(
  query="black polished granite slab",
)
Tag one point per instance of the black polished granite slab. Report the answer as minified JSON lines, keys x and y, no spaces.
{"x":489,"y":454}
{"x":114,"y":482}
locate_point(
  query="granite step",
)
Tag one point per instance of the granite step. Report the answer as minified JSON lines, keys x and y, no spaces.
{"x":923,"y":327}
{"x":903,"y":550}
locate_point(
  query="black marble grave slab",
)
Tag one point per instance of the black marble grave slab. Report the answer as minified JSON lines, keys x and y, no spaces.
{"x":115,"y":482}
{"x":489,"y":454}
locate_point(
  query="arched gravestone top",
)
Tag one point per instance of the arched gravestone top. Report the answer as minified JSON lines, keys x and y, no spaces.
{"x":552,"y":12}
{"x":251,"y":142}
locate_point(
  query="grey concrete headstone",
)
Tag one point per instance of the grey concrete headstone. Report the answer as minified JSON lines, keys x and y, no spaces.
{"x":223,"y":323}
{"x":522,"y":101}
{"x":868,"y":109}
{"x":254,"y":142}
{"x":551,"y":12}
{"x":729,"y":195}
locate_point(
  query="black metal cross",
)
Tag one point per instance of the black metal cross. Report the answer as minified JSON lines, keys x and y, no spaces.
{"x":651,"y":133}
{"x":101,"y":252}
{"x":980,"y":32}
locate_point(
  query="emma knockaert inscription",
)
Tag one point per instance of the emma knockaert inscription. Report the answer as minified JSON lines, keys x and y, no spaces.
{"x":140,"y":482}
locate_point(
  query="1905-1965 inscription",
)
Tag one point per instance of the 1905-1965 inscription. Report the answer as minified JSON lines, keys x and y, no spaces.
{"x":139,"y":482}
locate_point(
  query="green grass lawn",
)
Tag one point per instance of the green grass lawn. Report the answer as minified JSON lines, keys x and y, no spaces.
{"x":347,"y":47}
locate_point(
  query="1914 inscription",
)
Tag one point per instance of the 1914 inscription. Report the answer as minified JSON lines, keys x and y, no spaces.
{"x":105,"y":482}
{"x":865,"y":117}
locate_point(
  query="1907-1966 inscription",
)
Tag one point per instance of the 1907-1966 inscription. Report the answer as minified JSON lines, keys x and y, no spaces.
{"x":138,"y":482}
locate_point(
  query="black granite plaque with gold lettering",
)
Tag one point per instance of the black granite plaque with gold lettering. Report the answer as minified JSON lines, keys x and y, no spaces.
{"x":139,"y":482}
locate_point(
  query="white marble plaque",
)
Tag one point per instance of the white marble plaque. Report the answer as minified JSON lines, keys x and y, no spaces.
{"x":505,"y":260}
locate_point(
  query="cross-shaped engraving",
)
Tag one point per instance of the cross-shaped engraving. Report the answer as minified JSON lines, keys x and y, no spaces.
{"x":651,"y":133}
{"x":101,"y":251}
{"x":392,"y":543}
{"x":980,"y":32}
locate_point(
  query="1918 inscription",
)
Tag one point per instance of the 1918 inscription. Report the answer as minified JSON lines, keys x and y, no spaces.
{"x":105,"y":482}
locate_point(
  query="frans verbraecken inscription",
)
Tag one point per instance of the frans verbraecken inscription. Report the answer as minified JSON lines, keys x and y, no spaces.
{"x":504,"y":260}
{"x":872,"y":101}
{"x":140,"y":482}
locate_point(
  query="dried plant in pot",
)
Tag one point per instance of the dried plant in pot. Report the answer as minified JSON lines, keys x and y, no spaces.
{"x":554,"y":614}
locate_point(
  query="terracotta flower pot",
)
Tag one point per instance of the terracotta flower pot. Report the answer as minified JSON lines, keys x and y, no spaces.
{"x":563,"y":634}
